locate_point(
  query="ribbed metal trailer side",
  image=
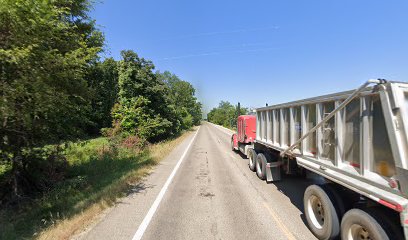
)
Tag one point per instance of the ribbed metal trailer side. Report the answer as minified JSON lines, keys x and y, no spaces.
{"x":363,"y":147}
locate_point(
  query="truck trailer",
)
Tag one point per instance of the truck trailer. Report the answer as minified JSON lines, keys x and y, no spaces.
{"x":356,"y":142}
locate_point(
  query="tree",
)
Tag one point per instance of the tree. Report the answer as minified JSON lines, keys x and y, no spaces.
{"x":46,"y":48}
{"x":182,"y":94}
{"x":103,"y":82}
{"x":143,"y":105}
{"x":225,"y":114}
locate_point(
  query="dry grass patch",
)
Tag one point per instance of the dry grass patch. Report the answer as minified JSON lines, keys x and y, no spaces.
{"x":68,"y":227}
{"x":160,"y":150}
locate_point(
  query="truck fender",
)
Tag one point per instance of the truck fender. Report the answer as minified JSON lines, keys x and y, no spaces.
{"x":273,"y":172}
{"x":273,"y":169}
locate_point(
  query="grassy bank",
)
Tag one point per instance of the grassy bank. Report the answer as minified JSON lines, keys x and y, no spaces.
{"x":97,"y":176}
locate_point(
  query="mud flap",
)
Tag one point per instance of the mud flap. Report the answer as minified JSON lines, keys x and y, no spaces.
{"x":273,"y":172}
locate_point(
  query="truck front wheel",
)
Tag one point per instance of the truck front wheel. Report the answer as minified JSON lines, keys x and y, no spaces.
{"x":232,"y":144}
{"x":320,"y":213}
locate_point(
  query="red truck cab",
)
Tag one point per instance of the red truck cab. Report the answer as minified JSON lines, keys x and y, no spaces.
{"x":246,"y":133}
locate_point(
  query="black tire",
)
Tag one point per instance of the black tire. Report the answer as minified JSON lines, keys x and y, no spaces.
{"x":334,"y":195}
{"x":357,"y":223}
{"x":261,"y":166}
{"x":320,"y":212}
{"x":232,"y":145}
{"x":389,"y":220}
{"x":252,"y":159}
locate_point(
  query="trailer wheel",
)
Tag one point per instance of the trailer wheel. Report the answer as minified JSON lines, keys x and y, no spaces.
{"x":261,"y":166}
{"x":320,"y":212}
{"x":370,"y":223}
{"x":359,"y":224}
{"x":338,"y":203}
{"x":252,"y":159}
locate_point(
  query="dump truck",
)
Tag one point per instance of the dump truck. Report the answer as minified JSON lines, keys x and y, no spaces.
{"x":356,"y":142}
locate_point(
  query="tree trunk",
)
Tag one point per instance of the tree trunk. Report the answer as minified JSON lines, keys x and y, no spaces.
{"x":14,"y":174}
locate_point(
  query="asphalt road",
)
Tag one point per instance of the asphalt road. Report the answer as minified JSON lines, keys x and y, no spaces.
{"x":213,"y":195}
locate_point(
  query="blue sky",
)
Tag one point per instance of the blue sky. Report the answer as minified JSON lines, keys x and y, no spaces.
{"x":259,"y":52}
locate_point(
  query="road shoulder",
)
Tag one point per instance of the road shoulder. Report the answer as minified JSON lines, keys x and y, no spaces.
{"x":122,"y":220}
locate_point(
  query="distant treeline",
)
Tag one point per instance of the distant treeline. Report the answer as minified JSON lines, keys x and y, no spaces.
{"x":225,"y":114}
{"x":55,"y":87}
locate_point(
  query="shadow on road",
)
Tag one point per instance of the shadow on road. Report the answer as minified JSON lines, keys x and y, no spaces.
{"x":137,"y":188}
{"x":291,"y":186}
{"x":294,"y":187}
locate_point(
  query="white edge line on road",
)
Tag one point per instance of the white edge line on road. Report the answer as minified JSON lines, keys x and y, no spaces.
{"x":143,"y":226}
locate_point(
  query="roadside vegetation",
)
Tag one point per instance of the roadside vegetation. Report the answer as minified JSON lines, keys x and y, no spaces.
{"x":226,"y":114}
{"x":100,"y":171}
{"x":77,"y":129}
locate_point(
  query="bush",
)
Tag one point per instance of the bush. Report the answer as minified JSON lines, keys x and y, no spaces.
{"x":46,"y":172}
{"x":36,"y":171}
{"x":133,"y":142}
{"x":137,"y":118}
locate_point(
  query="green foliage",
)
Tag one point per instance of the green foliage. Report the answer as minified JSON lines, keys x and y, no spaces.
{"x":54,"y":88}
{"x":182,"y":95}
{"x":98,"y":169}
{"x":43,"y":55}
{"x":143,"y":104}
{"x":225,"y":114}
{"x":138,"y":118}
{"x":152,"y":106}
{"x":103,"y":83}
{"x":45,"y":51}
